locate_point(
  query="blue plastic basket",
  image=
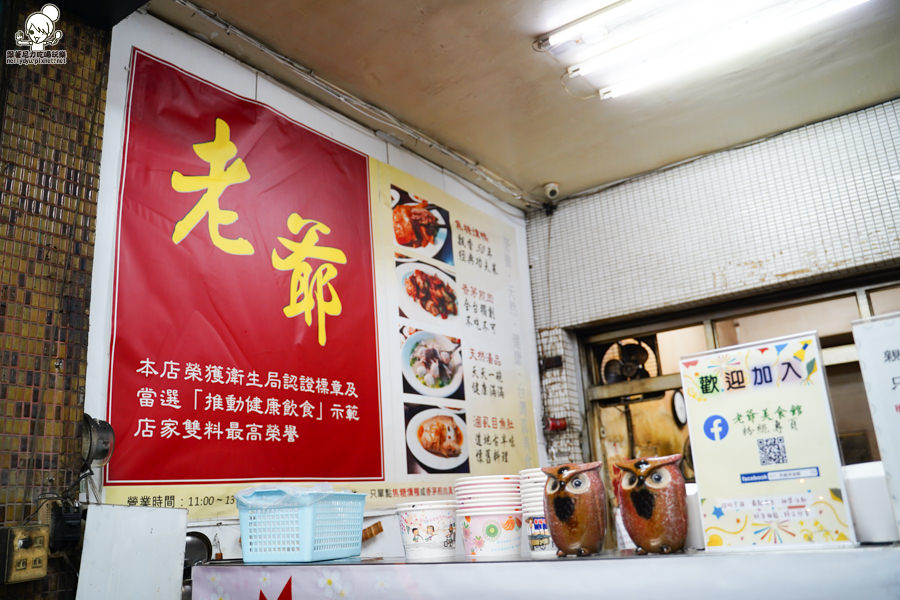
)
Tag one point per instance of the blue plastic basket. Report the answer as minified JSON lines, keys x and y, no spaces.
{"x":297,"y":525}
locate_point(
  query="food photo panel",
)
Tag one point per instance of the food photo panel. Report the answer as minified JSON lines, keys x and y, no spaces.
{"x":427,"y":293}
{"x":436,"y":439}
{"x":421,"y":227}
{"x":431,"y":364}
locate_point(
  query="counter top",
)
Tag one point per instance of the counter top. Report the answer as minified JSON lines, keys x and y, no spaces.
{"x":869,"y":572}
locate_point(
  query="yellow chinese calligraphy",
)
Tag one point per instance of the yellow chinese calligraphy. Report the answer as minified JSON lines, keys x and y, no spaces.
{"x":217,"y":153}
{"x":308,"y":287}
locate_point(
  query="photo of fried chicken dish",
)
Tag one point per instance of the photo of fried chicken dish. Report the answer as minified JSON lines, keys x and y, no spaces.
{"x":414,"y":225}
{"x":440,"y":435}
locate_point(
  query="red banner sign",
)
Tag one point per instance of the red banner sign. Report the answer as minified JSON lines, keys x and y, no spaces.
{"x":244,"y":342}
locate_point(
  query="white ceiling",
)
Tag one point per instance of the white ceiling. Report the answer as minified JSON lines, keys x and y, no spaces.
{"x":458,"y":82}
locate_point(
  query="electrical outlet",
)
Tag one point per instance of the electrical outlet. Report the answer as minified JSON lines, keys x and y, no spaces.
{"x":24,"y":553}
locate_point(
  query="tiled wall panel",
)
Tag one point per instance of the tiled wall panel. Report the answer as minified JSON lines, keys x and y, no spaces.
{"x":819,"y":202}
{"x":49,"y":163}
{"x":559,"y":386}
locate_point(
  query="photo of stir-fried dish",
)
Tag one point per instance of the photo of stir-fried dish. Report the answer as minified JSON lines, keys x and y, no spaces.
{"x":432,"y":293}
{"x":415,"y":225}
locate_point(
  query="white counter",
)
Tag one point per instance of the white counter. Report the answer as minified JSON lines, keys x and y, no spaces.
{"x":870,"y":572}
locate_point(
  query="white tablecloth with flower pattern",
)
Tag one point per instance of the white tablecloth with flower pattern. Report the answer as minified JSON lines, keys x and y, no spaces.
{"x":860,"y":572}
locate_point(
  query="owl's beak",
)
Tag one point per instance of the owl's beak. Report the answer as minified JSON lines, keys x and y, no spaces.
{"x":640,"y":481}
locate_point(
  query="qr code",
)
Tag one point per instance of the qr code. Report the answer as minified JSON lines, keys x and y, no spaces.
{"x":771,"y":451}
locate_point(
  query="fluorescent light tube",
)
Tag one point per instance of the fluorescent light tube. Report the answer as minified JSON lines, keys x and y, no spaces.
{"x":719,"y":49}
{"x":594,"y":26}
{"x":576,"y":30}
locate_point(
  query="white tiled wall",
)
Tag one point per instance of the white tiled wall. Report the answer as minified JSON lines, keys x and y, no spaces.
{"x":818,"y":202}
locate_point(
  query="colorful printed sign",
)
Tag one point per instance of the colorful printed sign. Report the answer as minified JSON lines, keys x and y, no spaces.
{"x":244,"y":343}
{"x":465,"y":402}
{"x":764,"y":447}
{"x":255,"y":258}
{"x":878,"y":344}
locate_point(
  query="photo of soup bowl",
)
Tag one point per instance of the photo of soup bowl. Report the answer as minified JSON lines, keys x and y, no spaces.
{"x":431,"y":364}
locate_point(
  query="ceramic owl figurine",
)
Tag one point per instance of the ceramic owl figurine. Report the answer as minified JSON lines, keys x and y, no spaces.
{"x":651,"y":496}
{"x":575,"y":505}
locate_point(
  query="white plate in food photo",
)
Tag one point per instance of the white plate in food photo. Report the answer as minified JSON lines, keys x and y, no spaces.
{"x":431,"y":363}
{"x":426,"y":292}
{"x":436,"y":437}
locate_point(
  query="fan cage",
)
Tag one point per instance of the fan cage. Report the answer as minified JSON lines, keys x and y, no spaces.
{"x":609,"y":351}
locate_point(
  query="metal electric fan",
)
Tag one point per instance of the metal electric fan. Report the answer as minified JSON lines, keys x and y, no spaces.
{"x":627,"y":360}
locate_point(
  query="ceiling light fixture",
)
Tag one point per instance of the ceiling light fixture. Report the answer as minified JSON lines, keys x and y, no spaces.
{"x":590,"y":28}
{"x":721,"y":47}
{"x":658,"y":27}
{"x":590,"y":25}
{"x":649,"y":42}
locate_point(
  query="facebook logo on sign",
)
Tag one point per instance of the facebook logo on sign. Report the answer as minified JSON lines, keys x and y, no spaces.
{"x":715,"y":428}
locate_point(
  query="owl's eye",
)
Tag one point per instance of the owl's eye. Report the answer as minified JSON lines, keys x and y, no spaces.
{"x":579,"y":484}
{"x":552,"y":485}
{"x":629,"y":480}
{"x":659,"y":478}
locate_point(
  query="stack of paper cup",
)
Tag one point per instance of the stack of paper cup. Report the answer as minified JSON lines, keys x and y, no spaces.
{"x":489,"y":515}
{"x":536,"y":541}
{"x":531,"y":488}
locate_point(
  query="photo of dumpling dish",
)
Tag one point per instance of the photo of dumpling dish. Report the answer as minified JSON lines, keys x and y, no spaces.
{"x":440,"y":435}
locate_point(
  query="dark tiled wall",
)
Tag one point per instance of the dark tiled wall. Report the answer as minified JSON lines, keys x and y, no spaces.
{"x":49,"y":166}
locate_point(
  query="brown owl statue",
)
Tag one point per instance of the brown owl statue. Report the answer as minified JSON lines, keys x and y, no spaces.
{"x":651,"y":496}
{"x":575,"y":505}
